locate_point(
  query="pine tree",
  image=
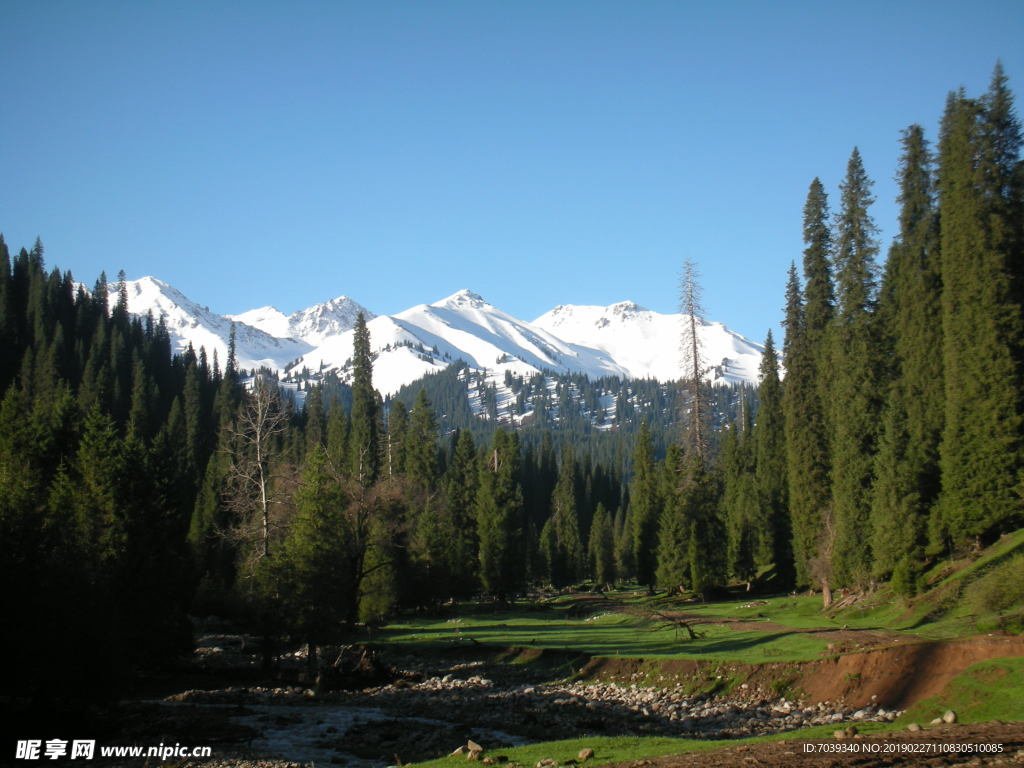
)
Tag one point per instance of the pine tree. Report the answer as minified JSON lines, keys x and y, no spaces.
{"x":645,"y":509}
{"x":624,"y":568}
{"x":808,"y":313}
{"x":981,"y":453}
{"x":315,"y":422}
{"x":568,"y":561}
{"x":690,"y":551}
{"x":499,"y":507}
{"x":8,"y":322}
{"x":421,"y":457}
{"x":398,"y":434}
{"x":311,"y":575}
{"x":461,"y":488}
{"x":855,"y":396}
{"x":907,"y":463}
{"x":673,"y":543}
{"x":770,"y":473}
{"x":740,"y":502}
{"x":601,"y":547}
{"x":337,"y":438}
{"x":99,"y":508}
{"x":364,"y":436}
{"x":231,"y":365}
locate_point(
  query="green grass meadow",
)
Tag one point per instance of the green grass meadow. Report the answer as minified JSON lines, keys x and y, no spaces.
{"x":971,"y":596}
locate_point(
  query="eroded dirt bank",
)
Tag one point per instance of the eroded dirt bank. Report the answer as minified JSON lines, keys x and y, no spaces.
{"x":892,"y":677}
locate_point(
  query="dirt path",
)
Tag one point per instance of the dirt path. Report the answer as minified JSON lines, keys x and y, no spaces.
{"x":984,"y":744}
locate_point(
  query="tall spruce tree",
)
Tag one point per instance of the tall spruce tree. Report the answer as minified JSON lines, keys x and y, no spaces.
{"x":910,"y":313}
{"x":854,"y":394}
{"x":364,"y":434}
{"x":312,"y":577}
{"x":644,"y":509}
{"x":421,"y":459}
{"x":461,"y":488}
{"x":982,"y":449}
{"x":499,"y":503}
{"x":808,"y":314}
{"x":739,"y":500}
{"x":601,"y":547}
{"x":770,"y":471}
{"x":567,"y":563}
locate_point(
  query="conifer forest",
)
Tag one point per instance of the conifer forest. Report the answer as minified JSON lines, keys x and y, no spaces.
{"x":140,"y":487}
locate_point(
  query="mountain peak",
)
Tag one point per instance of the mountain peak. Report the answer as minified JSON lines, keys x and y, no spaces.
{"x":626,"y":307}
{"x":463,"y":298}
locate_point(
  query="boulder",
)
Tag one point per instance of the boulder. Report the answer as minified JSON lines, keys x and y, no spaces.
{"x":585,"y":754}
{"x":949,"y":717}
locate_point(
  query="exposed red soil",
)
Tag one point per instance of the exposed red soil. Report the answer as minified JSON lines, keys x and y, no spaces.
{"x":900,"y":675}
{"x":893,"y":677}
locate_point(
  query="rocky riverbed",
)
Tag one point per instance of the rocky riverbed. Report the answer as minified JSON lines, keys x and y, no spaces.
{"x":434,"y":705}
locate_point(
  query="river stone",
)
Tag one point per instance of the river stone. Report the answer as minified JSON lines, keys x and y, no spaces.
{"x":585,"y":754}
{"x":472,"y":746}
{"x":949,"y":716}
{"x":914,"y":727}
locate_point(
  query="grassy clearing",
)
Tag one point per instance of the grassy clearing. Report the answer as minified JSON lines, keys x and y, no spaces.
{"x":987,"y":691}
{"x":608,"y":633}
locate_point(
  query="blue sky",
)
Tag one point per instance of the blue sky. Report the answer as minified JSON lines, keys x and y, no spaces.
{"x":537,"y":152}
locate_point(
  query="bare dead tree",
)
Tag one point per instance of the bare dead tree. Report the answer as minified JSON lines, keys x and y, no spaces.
{"x":253,"y":488}
{"x":693,"y":364}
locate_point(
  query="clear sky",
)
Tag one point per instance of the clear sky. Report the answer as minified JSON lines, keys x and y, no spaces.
{"x":539,"y":152}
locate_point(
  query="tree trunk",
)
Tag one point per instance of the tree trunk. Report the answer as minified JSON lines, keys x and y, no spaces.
{"x":826,"y":595}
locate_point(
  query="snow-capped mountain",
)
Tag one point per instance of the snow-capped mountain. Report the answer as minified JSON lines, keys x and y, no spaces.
{"x":647,"y":344}
{"x":428,"y":337}
{"x":190,"y":323}
{"x":313,"y":325}
{"x":623,"y":340}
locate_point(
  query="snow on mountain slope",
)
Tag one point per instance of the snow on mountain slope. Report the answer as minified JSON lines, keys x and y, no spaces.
{"x":428,"y":337}
{"x":270,"y":320}
{"x":487,"y":337}
{"x":623,"y":340}
{"x":313,"y":325}
{"x":647,"y":344}
{"x":190,"y":323}
{"x":401,"y":356}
